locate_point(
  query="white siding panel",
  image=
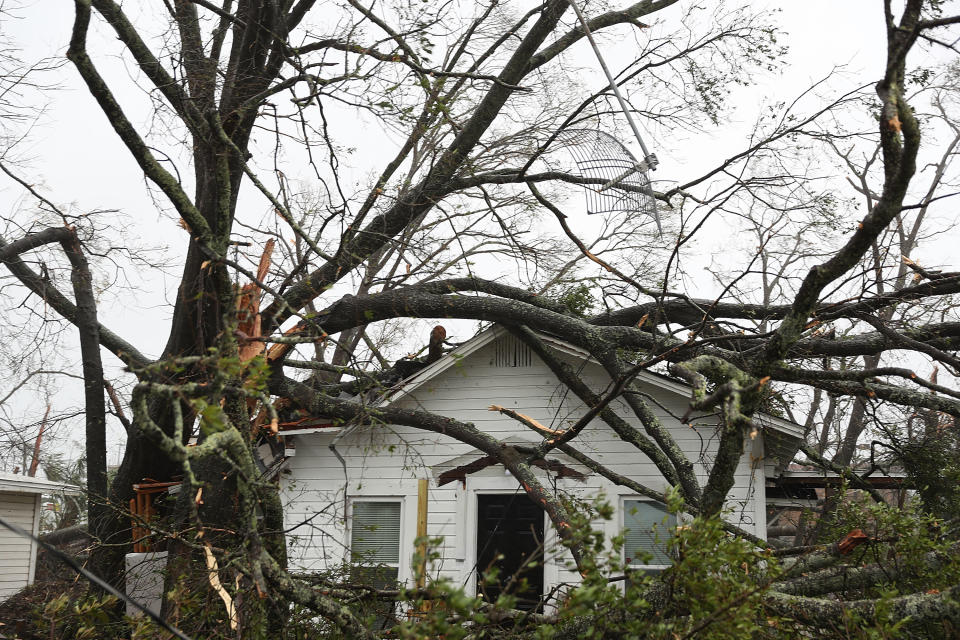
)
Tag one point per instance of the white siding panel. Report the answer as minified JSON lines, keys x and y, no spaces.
{"x":15,"y":551}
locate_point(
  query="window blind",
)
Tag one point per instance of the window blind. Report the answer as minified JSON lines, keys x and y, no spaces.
{"x":375,"y":532}
{"x":648,"y":526}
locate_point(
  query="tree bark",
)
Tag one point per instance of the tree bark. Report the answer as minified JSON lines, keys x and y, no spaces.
{"x":98,"y":507}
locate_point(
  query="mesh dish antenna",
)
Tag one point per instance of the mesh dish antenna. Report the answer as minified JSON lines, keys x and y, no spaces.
{"x":617,"y":181}
{"x":611,"y":153}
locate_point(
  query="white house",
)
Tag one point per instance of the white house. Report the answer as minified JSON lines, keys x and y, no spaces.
{"x":368,"y":504}
{"x":20,"y":505}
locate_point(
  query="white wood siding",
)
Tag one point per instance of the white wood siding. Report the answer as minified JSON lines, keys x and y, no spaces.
{"x":386,"y":460}
{"x":16,"y":552}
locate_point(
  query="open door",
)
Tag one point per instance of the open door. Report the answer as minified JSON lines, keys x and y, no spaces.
{"x":510,"y":538}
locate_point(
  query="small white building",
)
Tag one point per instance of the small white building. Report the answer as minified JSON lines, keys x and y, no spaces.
{"x":368,"y":505}
{"x":21,"y":501}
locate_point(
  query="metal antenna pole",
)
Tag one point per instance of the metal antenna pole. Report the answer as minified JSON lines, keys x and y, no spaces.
{"x":649,"y":159}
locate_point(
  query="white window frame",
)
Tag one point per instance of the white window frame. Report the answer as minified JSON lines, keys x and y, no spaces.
{"x":624,"y":512}
{"x":402,"y":542}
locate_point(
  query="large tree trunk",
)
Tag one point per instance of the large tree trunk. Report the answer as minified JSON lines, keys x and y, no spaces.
{"x":94,"y":404}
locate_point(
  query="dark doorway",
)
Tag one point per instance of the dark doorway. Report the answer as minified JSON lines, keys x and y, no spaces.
{"x":510,"y":525}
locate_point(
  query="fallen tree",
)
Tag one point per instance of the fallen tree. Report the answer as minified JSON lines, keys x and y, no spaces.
{"x":359,"y":262}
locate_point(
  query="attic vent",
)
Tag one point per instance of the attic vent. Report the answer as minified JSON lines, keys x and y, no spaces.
{"x":512,"y":353}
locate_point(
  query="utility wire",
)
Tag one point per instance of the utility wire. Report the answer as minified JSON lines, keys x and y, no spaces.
{"x":94,"y":579}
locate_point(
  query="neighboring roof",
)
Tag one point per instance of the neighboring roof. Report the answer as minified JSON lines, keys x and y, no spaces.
{"x":12,"y":483}
{"x":785,"y":427}
{"x":820,"y":479}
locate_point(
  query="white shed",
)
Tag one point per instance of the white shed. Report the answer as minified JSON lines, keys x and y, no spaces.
{"x":20,"y":505}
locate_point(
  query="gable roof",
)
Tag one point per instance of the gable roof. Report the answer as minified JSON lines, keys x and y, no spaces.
{"x":785,"y":428}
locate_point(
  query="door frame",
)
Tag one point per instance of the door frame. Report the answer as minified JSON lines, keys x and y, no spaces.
{"x":498,"y":485}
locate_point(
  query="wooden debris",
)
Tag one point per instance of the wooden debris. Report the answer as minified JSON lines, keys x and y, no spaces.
{"x":851,"y":541}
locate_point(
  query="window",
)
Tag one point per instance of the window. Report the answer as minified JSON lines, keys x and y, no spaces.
{"x":375,"y":543}
{"x":375,"y":554}
{"x":647,"y":528}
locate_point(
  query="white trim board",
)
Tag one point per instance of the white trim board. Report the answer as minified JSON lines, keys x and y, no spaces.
{"x":37,"y":507}
{"x":13,"y":483}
